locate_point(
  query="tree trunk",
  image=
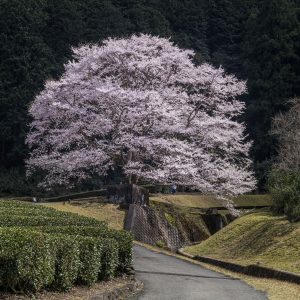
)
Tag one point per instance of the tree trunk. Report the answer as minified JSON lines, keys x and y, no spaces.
{"x":130,"y":155}
{"x":126,"y":194}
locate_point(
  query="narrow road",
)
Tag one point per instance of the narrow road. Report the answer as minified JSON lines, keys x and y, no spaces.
{"x":169,"y":278}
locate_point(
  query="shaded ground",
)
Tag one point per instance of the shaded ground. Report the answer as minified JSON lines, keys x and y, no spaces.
{"x":166,"y":277}
{"x":95,"y":292}
{"x":258,"y":237}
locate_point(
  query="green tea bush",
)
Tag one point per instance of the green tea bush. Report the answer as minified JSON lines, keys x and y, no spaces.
{"x":108,"y":247}
{"x":109,"y":259}
{"x":67,"y":261}
{"x":20,"y":220}
{"x":90,"y":251}
{"x":19,"y":204}
{"x":44,"y":248}
{"x":285,"y":191}
{"x":90,"y":231}
{"x":123,"y":238}
{"x":27,"y":260}
{"x":125,"y":241}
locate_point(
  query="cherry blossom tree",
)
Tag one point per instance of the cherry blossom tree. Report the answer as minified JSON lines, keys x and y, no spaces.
{"x":140,"y":103}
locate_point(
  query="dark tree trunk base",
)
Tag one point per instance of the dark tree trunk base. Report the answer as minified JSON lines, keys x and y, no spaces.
{"x":126,"y":194}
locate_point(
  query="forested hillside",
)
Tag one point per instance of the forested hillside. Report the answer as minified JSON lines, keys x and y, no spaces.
{"x":257,"y":40}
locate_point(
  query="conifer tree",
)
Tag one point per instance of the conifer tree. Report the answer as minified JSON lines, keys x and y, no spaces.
{"x":271,"y":62}
{"x":225,"y":32}
{"x":26,"y":61}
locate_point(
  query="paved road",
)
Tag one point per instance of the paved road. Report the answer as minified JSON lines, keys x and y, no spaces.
{"x":169,"y":278}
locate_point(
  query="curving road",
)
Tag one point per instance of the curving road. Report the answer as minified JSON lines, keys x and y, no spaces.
{"x":169,"y":278}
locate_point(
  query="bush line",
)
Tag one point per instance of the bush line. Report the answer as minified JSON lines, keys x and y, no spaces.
{"x":42,"y":248}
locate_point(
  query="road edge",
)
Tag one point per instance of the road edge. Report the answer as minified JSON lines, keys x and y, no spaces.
{"x":251,"y":270}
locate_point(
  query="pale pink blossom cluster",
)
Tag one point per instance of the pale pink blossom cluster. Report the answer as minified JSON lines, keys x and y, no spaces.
{"x":142,"y":104}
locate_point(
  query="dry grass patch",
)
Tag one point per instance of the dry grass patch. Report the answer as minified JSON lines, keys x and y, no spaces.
{"x":77,"y":292}
{"x":275,"y":289}
{"x":110,"y":213}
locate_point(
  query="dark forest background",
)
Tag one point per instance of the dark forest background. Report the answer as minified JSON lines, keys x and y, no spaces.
{"x":257,"y":40}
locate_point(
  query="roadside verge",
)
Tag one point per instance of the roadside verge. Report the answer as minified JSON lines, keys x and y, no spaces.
{"x":118,"y":288}
{"x":252,"y":270}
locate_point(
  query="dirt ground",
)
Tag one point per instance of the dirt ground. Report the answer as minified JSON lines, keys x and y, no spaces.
{"x":126,"y":285}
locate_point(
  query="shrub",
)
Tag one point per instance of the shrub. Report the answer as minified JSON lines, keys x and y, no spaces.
{"x":21,"y":209}
{"x":123,"y":238}
{"x":27,"y":262}
{"x":90,"y":250}
{"x":20,"y":220}
{"x":285,"y":190}
{"x":161,"y":244}
{"x":67,"y":262}
{"x":41,"y":247}
{"x":13,"y":181}
{"x":96,"y":231}
{"x":170,"y":218}
{"x":109,"y":259}
{"x":125,"y":241}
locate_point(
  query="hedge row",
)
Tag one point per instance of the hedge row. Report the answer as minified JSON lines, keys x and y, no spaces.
{"x":24,"y":221}
{"x":26,"y":260}
{"x":16,"y":213}
{"x":43,"y":248}
{"x":31,"y":261}
{"x":16,"y":203}
{"x":124,"y":239}
{"x":28,"y":208}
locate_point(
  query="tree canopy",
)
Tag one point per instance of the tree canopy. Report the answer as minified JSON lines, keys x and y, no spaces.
{"x":258,"y":41}
{"x":142,"y":104}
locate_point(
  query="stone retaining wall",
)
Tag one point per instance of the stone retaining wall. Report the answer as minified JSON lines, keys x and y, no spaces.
{"x":149,"y":226}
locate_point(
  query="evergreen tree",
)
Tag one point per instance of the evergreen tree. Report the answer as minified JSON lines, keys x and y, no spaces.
{"x":188,"y":24}
{"x":271,"y":63}
{"x":101,"y":19}
{"x":226,"y":26}
{"x":62,"y":29}
{"x":147,"y":20}
{"x":26,"y":61}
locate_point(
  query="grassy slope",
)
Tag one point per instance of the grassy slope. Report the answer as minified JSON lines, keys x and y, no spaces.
{"x":258,"y":237}
{"x":204,"y":201}
{"x":100,"y":211}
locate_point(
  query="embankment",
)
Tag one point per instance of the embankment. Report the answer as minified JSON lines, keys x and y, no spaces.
{"x":259,"y":238}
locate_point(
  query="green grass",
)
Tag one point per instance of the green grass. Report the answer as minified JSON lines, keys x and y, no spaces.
{"x":258,"y":237}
